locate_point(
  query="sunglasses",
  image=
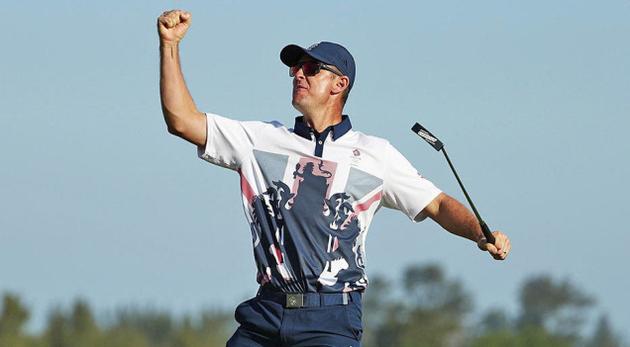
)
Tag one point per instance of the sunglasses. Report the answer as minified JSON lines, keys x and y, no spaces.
{"x":311,"y":68}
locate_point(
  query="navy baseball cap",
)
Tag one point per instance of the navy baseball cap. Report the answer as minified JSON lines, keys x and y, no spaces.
{"x":327,"y":52}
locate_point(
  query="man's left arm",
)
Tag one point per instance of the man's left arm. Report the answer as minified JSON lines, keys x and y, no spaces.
{"x":457,"y":219}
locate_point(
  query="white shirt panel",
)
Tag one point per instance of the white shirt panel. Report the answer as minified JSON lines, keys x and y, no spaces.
{"x":279,"y":171}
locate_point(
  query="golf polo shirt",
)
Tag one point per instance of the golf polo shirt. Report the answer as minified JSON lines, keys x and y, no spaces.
{"x":310,"y":198}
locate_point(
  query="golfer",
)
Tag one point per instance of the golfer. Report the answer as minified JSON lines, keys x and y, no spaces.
{"x":309,"y":193}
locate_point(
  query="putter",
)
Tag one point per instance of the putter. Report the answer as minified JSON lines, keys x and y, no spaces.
{"x":439,"y":146}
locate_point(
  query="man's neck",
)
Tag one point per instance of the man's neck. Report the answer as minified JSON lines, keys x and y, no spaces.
{"x":319,"y":121}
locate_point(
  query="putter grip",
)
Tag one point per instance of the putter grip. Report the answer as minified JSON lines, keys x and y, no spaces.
{"x":486,"y":232}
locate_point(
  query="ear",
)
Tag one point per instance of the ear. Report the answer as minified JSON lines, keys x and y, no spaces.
{"x":341,"y":84}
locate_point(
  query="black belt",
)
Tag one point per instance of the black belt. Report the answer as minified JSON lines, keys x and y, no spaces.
{"x":299,"y":300}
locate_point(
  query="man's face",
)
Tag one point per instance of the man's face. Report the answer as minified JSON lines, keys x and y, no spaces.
{"x":309,"y":92}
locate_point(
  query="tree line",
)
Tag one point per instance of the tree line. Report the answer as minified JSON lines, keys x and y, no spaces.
{"x":431,"y":309}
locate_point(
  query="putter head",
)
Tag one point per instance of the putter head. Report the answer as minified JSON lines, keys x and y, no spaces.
{"x":427,"y":136}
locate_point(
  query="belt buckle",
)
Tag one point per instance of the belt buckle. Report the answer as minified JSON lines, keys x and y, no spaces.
{"x":295,"y":301}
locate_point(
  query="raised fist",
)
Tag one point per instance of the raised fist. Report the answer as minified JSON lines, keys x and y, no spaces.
{"x":172,"y":25}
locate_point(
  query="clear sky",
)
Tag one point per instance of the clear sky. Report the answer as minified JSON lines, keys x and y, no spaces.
{"x":97,"y":200}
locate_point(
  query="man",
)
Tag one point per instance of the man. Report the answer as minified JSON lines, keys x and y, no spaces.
{"x":309,"y":194}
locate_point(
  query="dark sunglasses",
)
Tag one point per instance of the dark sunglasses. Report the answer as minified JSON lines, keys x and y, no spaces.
{"x":311,"y":68}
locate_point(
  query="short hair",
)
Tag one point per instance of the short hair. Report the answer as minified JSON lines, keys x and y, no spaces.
{"x":346,"y":93}
{"x":344,"y":96}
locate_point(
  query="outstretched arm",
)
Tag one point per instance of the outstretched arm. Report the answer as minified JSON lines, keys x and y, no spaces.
{"x":180,"y":112}
{"x":457,"y":219}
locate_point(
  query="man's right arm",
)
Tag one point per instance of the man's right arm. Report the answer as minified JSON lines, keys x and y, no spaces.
{"x":180,"y":112}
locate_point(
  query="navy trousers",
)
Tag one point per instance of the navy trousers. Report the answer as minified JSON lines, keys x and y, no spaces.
{"x":266,"y":322}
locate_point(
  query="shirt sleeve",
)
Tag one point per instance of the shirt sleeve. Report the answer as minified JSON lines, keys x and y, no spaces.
{"x":227,"y":142}
{"x":404,"y":188}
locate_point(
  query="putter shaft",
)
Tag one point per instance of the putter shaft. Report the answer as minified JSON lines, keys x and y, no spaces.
{"x":484,"y":227}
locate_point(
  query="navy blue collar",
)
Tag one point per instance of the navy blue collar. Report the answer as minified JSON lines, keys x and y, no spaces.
{"x":338,"y":130}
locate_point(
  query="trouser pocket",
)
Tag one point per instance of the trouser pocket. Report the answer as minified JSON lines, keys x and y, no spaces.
{"x":354,"y":318}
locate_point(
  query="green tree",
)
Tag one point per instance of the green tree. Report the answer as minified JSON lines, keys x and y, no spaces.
{"x":12,"y":319}
{"x":157,"y":326}
{"x":376,"y":302}
{"x":57,"y":330}
{"x":525,"y":337}
{"x":14,"y":315}
{"x":124,"y":337}
{"x":186,"y":335}
{"x":216,"y":327}
{"x":551,"y":314}
{"x":495,"y":320}
{"x":558,"y":306}
{"x":430,"y":313}
{"x":604,"y":335}
{"x":430,"y":289}
{"x":82,"y":328}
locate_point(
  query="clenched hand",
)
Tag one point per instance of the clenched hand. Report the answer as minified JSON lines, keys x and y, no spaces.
{"x":172,"y":26}
{"x":501,"y":247}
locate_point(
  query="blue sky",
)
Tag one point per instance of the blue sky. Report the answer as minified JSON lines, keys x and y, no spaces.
{"x":531,"y":98}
